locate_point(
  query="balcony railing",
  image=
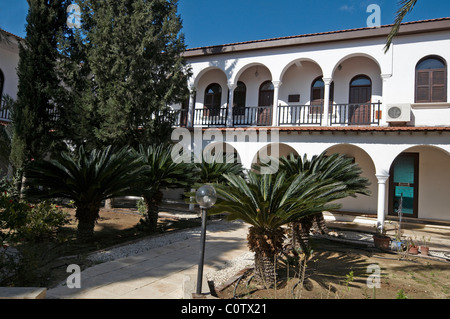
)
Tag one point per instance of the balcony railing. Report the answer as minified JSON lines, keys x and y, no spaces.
{"x":290,"y":115}
{"x":5,"y":115}
{"x":252,"y":116}
{"x":300,"y":115}
{"x":356,"y":114}
{"x":211,"y":116}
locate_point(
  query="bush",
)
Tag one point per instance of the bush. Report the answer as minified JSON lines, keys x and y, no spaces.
{"x":43,"y":221}
{"x":22,"y":221}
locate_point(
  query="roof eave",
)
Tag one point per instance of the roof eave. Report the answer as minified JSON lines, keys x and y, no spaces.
{"x":408,"y":28}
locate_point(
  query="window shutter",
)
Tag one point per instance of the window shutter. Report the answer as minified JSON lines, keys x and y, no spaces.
{"x":423,"y":86}
{"x":438,"y":88}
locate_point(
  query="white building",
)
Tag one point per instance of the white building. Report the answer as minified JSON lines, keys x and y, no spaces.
{"x":335,"y":92}
{"x":338,"y":92}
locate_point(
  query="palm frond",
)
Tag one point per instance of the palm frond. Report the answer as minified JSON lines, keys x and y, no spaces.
{"x":405,"y":7}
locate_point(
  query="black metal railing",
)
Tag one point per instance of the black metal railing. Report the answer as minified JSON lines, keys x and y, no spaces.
{"x":356,"y":114}
{"x":211,"y":116}
{"x":252,"y":116}
{"x":300,"y":114}
{"x":5,"y":114}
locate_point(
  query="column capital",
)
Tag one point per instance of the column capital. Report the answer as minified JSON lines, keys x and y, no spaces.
{"x":276,"y":84}
{"x":385,"y":76}
{"x":327,"y":81}
{"x":382,"y":178}
{"x":231,"y":86}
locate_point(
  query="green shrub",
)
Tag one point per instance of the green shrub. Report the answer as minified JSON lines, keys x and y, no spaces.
{"x":22,"y":221}
{"x":43,"y":221}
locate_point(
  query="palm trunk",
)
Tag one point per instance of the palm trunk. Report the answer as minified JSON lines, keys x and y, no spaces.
{"x":87,"y":215}
{"x":300,"y":233}
{"x":266,"y":244}
{"x":152,"y":203}
{"x":319,"y":224}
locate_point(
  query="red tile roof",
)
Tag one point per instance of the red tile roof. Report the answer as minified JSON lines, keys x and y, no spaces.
{"x":344,"y":129}
{"x":11,"y":35}
{"x":205,"y":48}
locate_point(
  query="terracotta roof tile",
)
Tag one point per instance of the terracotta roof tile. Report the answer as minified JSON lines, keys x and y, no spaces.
{"x":313,"y":34}
{"x":343,"y":128}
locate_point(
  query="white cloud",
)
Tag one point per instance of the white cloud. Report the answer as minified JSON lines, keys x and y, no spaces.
{"x":347,"y":8}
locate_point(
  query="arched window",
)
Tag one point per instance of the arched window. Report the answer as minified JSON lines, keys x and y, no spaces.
{"x":431,"y":80}
{"x":213,"y":99}
{"x":360,"y":89}
{"x":240,"y":93}
{"x":213,"y":96}
{"x":266,"y":94}
{"x":317,"y":95}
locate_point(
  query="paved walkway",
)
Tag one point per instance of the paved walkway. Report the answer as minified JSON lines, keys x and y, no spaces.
{"x":158,"y":273}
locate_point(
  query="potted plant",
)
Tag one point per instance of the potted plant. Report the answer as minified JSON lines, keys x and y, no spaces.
{"x":398,"y":244}
{"x":413,"y":249}
{"x":380,"y":239}
{"x":424,"y":246}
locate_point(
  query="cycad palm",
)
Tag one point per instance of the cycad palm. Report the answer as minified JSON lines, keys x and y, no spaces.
{"x":336,"y":167}
{"x":267,"y":202}
{"x":162,"y":172}
{"x":212,"y":168}
{"x":87,"y":178}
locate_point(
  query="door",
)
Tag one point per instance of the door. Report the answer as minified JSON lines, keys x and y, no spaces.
{"x":360,"y":99}
{"x":265,"y":103}
{"x":404,"y":185}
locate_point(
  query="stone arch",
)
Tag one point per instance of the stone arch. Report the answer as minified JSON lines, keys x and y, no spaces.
{"x":362,"y":203}
{"x":223,"y":147}
{"x":431,"y":179}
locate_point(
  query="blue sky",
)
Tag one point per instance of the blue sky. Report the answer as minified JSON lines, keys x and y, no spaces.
{"x":212,"y":22}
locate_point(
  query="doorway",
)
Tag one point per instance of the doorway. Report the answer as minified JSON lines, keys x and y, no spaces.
{"x":265,"y":104}
{"x":404,"y":185}
{"x":360,"y":99}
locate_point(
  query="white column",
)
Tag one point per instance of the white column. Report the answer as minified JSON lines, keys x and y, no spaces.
{"x":326,"y":101}
{"x":276,"y":92}
{"x":231,"y":87}
{"x":382,"y":178}
{"x":190,"y":122}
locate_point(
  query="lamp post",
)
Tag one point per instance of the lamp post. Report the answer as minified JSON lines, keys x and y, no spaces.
{"x":206,"y":197}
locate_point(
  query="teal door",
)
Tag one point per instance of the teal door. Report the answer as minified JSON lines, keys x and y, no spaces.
{"x":404,"y":185}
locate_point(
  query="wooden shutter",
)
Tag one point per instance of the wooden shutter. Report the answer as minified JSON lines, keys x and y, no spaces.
{"x":438,"y":86}
{"x":423,"y":86}
{"x":431,"y":86}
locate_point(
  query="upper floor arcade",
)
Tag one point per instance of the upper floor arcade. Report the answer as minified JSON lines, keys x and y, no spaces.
{"x":337,"y":78}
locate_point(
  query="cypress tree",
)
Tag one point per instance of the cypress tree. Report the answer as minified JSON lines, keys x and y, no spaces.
{"x":133,"y":51}
{"x":39,"y":92}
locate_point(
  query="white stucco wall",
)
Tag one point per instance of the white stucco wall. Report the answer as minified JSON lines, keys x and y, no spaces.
{"x":392,"y":73}
{"x":9,"y":60}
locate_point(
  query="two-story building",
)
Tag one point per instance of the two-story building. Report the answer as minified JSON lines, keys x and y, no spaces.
{"x":336,"y":92}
